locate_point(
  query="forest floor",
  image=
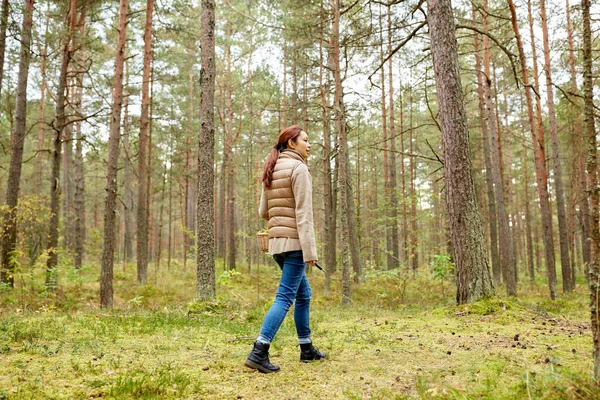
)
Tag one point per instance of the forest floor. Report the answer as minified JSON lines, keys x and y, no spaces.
{"x":402,"y":337}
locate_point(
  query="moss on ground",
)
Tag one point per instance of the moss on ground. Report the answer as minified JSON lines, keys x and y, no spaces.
{"x":400,"y":339}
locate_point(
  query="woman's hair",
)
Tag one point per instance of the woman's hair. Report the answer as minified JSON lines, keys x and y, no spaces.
{"x":291,"y":132}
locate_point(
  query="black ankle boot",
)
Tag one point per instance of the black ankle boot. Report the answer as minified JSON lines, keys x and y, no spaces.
{"x":309,"y":353}
{"x":259,"y":359}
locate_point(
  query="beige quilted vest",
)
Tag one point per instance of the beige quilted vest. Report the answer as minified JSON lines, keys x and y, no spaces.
{"x":280,"y":197}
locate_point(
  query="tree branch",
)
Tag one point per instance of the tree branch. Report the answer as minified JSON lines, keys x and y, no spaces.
{"x":397,"y":48}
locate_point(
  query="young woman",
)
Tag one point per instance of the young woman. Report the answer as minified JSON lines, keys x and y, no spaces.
{"x":286,"y":202}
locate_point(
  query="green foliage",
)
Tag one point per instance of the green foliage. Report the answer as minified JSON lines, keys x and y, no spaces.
{"x":443,"y":267}
{"x":226,"y":277}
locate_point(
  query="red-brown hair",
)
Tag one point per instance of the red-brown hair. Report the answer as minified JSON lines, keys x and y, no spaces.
{"x":289,"y":133}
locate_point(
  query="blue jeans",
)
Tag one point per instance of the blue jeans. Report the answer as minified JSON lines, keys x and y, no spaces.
{"x":292,"y":286}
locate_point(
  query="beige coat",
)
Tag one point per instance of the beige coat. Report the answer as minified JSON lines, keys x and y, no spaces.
{"x":287,"y":205}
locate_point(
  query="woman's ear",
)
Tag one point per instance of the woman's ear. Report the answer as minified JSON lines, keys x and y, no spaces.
{"x":291,"y":144}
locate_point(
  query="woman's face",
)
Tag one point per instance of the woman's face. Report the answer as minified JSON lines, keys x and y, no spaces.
{"x":301,"y":145}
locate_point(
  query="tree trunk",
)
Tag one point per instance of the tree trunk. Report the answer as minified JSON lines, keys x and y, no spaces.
{"x":231,"y":245}
{"x":110,"y":203}
{"x":413,"y":256}
{"x":127,"y":175}
{"x":329,"y":226}
{"x":393,"y":209}
{"x":540,"y":169}
{"x":67,"y":190}
{"x":528,"y":222}
{"x":3,"y":25}
{"x":205,"y":220}
{"x":558,"y":183}
{"x":507,"y":258}
{"x":79,"y":194}
{"x":60,"y":127}
{"x":496,"y":267}
{"x":42,"y":118}
{"x":9,"y":237}
{"x":578,"y":141}
{"x":339,"y":123}
{"x":594,"y":193}
{"x":386,"y":164}
{"x":474,"y":279}
{"x":143,"y":171}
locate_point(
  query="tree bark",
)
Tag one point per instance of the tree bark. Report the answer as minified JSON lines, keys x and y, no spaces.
{"x":594,"y":193}
{"x":473,"y":275}
{"x":558,"y":183}
{"x":329,"y":226}
{"x":42,"y":118}
{"x":143,"y":171}
{"x":339,"y":124}
{"x":528,"y":222}
{"x":3,"y":25}
{"x":393,"y":210}
{"x":110,"y":203}
{"x":127,"y":175}
{"x":79,"y":193}
{"x":60,"y":127}
{"x":579,"y":156}
{"x":507,"y":258}
{"x":496,"y":267}
{"x":386,"y":164}
{"x":9,"y":234}
{"x":540,"y":169}
{"x":205,"y":220}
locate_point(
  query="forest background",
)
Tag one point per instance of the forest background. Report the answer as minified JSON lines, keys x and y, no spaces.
{"x":103,"y":147}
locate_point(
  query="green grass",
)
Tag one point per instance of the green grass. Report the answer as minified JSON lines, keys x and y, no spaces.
{"x":399,"y":339}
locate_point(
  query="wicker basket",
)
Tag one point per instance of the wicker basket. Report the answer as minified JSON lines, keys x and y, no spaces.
{"x":263,"y":241}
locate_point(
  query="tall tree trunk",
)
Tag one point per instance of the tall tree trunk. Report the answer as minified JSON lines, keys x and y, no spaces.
{"x":413,"y":193}
{"x":507,"y":257}
{"x":594,"y":192}
{"x":339,"y":123}
{"x":42,"y":117}
{"x":205,"y":220}
{"x":143,"y":172}
{"x":110,"y":203}
{"x":231,"y":246}
{"x":127,"y":174}
{"x":188,"y":221}
{"x":474,"y":279}
{"x":9,"y":234}
{"x":60,"y":127}
{"x":386,"y":164}
{"x":496,"y":267}
{"x":540,"y":169}
{"x":161,"y":220}
{"x":284,"y":97}
{"x":393,"y":209}
{"x":170,"y":226}
{"x":79,"y":194}
{"x":558,"y":183}
{"x":528,"y":222}
{"x":329,"y":226}
{"x":578,"y":142}
{"x":78,"y":197}
{"x":67,"y":189}
{"x":3,"y":25}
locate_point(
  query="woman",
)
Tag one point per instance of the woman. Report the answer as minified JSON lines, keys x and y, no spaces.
{"x":286,"y":202}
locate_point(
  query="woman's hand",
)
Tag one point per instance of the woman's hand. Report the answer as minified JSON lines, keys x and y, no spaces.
{"x":311,"y":262}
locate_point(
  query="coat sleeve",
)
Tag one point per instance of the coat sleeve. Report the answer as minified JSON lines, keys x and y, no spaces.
{"x":263,"y":209}
{"x":302,"y":188}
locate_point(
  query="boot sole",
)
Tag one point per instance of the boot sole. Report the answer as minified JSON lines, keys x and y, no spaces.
{"x":253,"y":365}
